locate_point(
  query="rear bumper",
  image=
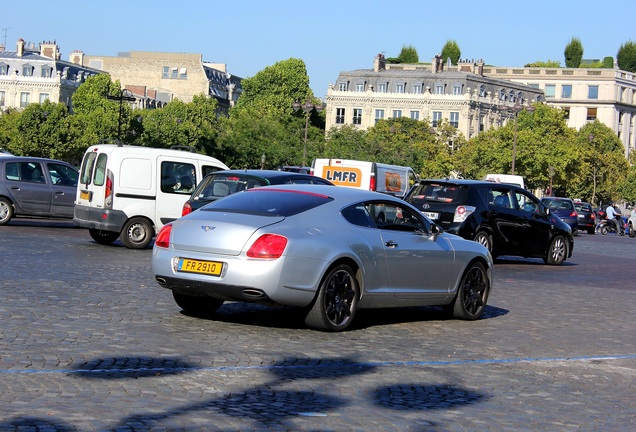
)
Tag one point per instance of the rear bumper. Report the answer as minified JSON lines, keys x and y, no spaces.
{"x":99,"y":219}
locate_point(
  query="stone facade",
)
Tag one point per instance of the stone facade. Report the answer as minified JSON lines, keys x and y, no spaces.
{"x":585,"y":94}
{"x":32,"y":74}
{"x":167,"y":76}
{"x":462,"y":95}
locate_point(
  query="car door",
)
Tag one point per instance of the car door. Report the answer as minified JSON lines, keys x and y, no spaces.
{"x":419,"y":263}
{"x":31,"y":191}
{"x":536,"y":226}
{"x":504,"y":219}
{"x":63,"y":180}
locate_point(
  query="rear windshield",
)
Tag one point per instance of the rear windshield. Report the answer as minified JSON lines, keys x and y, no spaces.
{"x":440,"y":192}
{"x":221,"y":185}
{"x":582,"y":207}
{"x":557,"y":204}
{"x":268,"y":202}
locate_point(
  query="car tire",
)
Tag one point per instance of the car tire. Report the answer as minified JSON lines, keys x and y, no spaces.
{"x":197,"y":305}
{"x":472,"y":293}
{"x":6,"y":211}
{"x":137,"y":233}
{"x":632,"y":234}
{"x":103,"y":237}
{"x":483,"y":238}
{"x":557,"y":251}
{"x":335,"y":304}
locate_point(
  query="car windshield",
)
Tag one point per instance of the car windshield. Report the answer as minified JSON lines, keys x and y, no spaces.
{"x":583,"y":207}
{"x":440,"y":192}
{"x":556,"y":204}
{"x":269,"y":202}
{"x":226,"y":184}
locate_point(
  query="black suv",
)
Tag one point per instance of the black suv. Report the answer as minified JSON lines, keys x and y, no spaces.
{"x":505,"y":218}
{"x":587,"y":217}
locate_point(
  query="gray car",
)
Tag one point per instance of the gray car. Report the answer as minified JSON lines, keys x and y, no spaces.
{"x":321,"y":248}
{"x":39,"y":187}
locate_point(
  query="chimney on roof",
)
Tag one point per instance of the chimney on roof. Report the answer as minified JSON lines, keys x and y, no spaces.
{"x":437,"y":65}
{"x":379,"y":63}
{"x":20,"y":47}
{"x":50,"y":50}
{"x":76,"y":57}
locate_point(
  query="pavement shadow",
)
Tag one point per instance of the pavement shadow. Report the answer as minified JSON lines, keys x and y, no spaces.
{"x":131,"y":367}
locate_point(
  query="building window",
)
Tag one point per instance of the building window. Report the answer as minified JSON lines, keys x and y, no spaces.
{"x":45,"y":72}
{"x":566,"y":91}
{"x":417,"y":88}
{"x":379,"y":115}
{"x":340,"y":115}
{"x":457,"y":89}
{"x":592,"y":92}
{"x":502,"y":95}
{"x":415,"y":115}
{"x":399,"y":88}
{"x":454,"y":119}
{"x":482,"y":90}
{"x":550,"y":90}
{"x":437,"y":118}
{"x":591,"y":114}
{"x":166,"y":72}
{"x":382,"y":87}
{"x":357,"y":116}
{"x":511,"y":96}
{"x":174,"y":73}
{"x":566,"y":113}
{"x":27,"y":70}
{"x":43,"y":97}
{"x":360,"y":87}
{"x":2,"y":98}
{"x":534,"y":86}
{"x":25,"y":98}
{"x":183,"y":73}
{"x":439,"y":88}
{"x":4,"y":69}
{"x":397,"y":113}
{"x":342,"y":86}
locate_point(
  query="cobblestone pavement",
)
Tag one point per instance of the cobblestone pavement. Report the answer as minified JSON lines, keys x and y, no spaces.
{"x":89,"y":342}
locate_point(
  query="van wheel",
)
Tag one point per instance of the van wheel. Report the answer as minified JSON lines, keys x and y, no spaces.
{"x":137,"y":233}
{"x":103,"y":237}
{"x":6,"y":211}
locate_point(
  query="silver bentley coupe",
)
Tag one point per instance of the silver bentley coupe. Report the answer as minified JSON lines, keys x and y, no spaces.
{"x":329,"y":250}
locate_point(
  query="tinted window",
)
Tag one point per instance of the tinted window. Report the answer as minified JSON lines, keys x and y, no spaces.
{"x":87,"y":168}
{"x":220,"y":185}
{"x":62,"y":175}
{"x":583,"y":207}
{"x":557,"y":204}
{"x":268,"y":202}
{"x":25,"y":171}
{"x":440,"y":192}
{"x":177,"y":177}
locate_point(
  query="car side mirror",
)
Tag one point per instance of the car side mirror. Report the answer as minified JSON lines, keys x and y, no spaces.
{"x":436,"y":229}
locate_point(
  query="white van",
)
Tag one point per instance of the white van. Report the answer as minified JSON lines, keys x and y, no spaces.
{"x":130,"y":192}
{"x":390,"y":179}
{"x":506,"y":178}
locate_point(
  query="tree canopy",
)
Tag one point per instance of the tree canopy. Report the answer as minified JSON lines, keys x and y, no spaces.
{"x":408,"y":54}
{"x":451,"y":50}
{"x":573,"y":53}
{"x":626,"y":56}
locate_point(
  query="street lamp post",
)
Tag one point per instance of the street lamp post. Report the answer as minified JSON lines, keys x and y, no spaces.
{"x":551,"y":172}
{"x":307,"y":107}
{"x":515,"y":109}
{"x":121,"y":98}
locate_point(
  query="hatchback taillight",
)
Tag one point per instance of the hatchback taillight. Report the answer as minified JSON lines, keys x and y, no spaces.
{"x":163,"y":238}
{"x":462,"y":213}
{"x":187,"y":209}
{"x":268,"y":246}
{"x":574,"y":214}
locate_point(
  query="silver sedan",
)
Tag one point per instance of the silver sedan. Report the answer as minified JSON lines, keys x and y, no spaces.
{"x":330,"y":250}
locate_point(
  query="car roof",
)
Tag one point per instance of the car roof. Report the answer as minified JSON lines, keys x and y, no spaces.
{"x":468,"y":182}
{"x":338,"y":193}
{"x":29,"y":159}
{"x":268,"y":174}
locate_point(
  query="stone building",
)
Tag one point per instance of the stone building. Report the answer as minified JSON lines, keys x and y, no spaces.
{"x":160,"y":77}
{"x":461,"y":94}
{"x":32,"y":74}
{"x":585,"y":94}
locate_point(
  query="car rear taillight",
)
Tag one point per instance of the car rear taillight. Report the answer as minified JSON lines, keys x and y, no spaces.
{"x":268,"y":246}
{"x":108,"y":190}
{"x":593,"y":216}
{"x":163,"y":238}
{"x":574,"y":214}
{"x":372,"y":183}
{"x":187,"y":209}
{"x":462,"y":213}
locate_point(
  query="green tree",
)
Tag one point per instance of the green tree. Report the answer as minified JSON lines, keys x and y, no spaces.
{"x":608,"y":62}
{"x":626,"y":56}
{"x":545,"y":64}
{"x":408,"y":54}
{"x":451,"y":50}
{"x":573,"y":53}
{"x":346,"y":142}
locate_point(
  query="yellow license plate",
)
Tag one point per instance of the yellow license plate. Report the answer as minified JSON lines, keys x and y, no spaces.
{"x":85,"y":195}
{"x":211,"y":268}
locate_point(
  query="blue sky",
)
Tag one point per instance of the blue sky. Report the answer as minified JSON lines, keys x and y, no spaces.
{"x":329,"y":36}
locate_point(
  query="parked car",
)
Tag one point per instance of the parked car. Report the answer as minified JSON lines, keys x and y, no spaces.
{"x":36,"y":187}
{"x":565,"y":210}
{"x":318,"y":247}
{"x":587,"y":217}
{"x":222,"y":183}
{"x":505,"y":218}
{"x":631,"y":223}
{"x":4,"y":152}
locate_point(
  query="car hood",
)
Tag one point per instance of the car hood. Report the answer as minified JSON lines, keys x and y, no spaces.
{"x":220,"y":233}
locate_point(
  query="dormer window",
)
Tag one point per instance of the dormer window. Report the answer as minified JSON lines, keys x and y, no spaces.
{"x":4,"y":69}
{"x":27,"y":70}
{"x":46,"y":71}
